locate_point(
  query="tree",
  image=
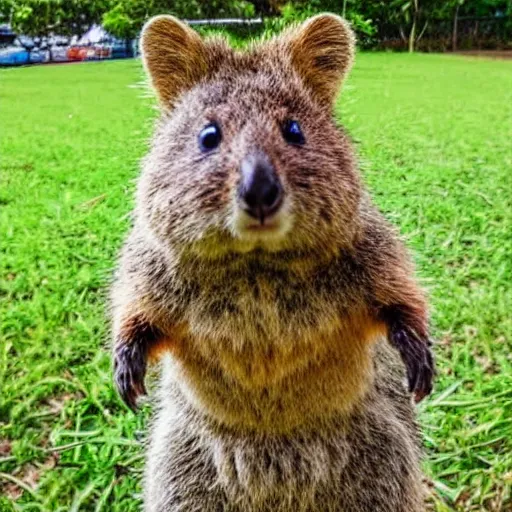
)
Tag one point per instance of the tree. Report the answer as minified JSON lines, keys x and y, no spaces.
{"x":6,"y":8}
{"x":36,"y":18}
{"x":375,"y":21}
{"x":124,"y":19}
{"x":42,"y":18}
{"x":78,"y":16}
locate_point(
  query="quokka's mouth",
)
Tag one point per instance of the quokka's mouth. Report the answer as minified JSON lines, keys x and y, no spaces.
{"x":266,"y":225}
{"x":273,"y":226}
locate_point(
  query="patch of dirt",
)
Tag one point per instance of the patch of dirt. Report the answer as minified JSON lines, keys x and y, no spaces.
{"x":12,"y":491}
{"x":29,"y":474}
{"x":488,"y":54}
{"x":5,"y":447}
{"x":56,"y":404}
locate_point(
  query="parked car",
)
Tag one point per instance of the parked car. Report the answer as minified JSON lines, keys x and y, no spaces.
{"x":56,"y":48}
{"x":119,"y":50}
{"x":90,"y":52}
{"x":59,"y":53}
{"x":96,"y":44}
{"x":102,"y":51}
{"x":7,"y":36}
{"x":81,"y":52}
{"x":16,"y":54}
{"x":36,"y":56}
{"x":75,"y":52}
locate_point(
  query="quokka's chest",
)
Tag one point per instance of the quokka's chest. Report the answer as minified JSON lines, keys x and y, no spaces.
{"x":250,"y":303}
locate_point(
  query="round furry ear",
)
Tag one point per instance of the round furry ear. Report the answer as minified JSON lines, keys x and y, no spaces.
{"x":174,"y":57}
{"x":322,"y":51}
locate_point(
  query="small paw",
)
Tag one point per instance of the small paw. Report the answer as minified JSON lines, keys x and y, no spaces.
{"x":417,"y":356}
{"x":129,"y":370}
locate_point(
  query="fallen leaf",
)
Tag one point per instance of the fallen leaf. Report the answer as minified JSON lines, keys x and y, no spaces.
{"x":445,"y":341}
{"x":463,"y":498}
{"x":12,"y":491}
{"x":30,"y":475}
{"x":57,"y":403}
{"x":5,"y":447}
{"x":50,"y":462}
{"x":488,"y":365}
{"x":470,"y":331}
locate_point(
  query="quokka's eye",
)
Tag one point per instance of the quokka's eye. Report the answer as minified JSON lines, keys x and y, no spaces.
{"x":292,"y":133}
{"x":210,"y":137}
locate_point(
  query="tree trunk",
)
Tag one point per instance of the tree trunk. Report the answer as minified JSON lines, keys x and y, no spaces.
{"x":455,"y":26}
{"x":402,"y":33}
{"x":412,"y":35}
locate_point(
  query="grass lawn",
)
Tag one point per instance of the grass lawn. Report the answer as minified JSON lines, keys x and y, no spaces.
{"x":435,"y":139}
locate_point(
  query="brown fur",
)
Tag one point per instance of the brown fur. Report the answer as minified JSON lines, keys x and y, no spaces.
{"x":277,"y":392}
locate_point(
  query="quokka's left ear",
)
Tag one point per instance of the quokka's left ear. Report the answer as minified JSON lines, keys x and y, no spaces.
{"x":322,"y":51}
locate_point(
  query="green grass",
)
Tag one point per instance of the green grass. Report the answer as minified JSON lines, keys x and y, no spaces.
{"x":435,"y":138}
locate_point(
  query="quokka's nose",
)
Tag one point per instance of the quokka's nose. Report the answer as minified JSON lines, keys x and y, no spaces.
{"x":260,"y":191}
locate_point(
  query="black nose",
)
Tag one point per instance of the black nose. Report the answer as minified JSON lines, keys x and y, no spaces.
{"x":260,"y":191}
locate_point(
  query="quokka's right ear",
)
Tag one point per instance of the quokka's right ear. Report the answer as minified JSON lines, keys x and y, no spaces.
{"x":174,"y":56}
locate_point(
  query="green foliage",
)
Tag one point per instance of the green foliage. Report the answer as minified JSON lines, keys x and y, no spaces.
{"x":120,"y":20}
{"x":79,"y":15}
{"x":35,"y":17}
{"x":5,"y":12}
{"x":125,"y":18}
{"x":376,"y":22}
{"x":435,"y":151}
{"x":45,"y":17}
{"x":293,"y":12}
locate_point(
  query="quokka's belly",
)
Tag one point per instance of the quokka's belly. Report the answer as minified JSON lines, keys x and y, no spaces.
{"x":274,"y":387}
{"x":365,"y":462}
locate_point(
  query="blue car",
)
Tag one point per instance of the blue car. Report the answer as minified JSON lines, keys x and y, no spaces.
{"x":17,"y":50}
{"x":17,"y":56}
{"x":14,"y":56}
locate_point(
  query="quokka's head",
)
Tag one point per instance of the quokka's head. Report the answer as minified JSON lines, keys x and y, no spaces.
{"x":247,"y":154}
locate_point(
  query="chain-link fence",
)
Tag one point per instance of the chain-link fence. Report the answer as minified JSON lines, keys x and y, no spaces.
{"x":465,"y":33}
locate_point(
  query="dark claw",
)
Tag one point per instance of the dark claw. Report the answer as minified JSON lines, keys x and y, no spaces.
{"x":130,"y":358}
{"x":417,"y":356}
{"x":130,"y":361}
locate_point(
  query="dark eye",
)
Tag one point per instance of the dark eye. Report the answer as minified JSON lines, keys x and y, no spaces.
{"x":292,"y":133}
{"x":210,"y":137}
